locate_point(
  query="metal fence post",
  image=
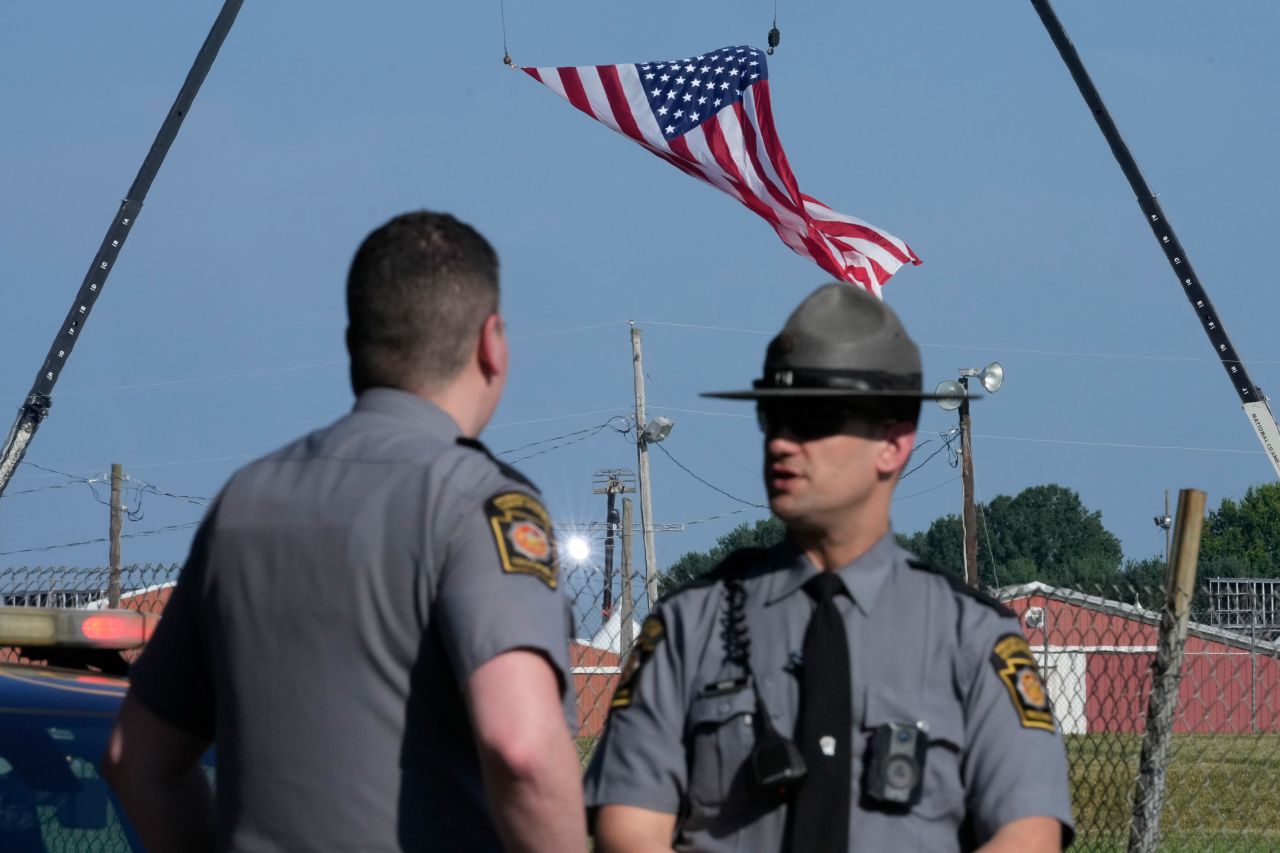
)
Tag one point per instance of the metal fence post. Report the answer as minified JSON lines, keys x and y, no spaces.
{"x":1166,"y":673}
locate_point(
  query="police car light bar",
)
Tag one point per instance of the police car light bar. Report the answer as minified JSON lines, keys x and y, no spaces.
{"x":83,"y":629}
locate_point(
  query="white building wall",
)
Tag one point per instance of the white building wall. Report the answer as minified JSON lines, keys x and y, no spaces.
{"x":1064,"y":676}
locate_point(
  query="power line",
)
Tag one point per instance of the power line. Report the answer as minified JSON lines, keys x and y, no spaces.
{"x":570,"y":438}
{"x":559,"y":417}
{"x":702,"y":327}
{"x":947,"y":438}
{"x":716,"y":517}
{"x":711,"y":486}
{"x":573,"y":330}
{"x":72,"y":480}
{"x":156,"y":532}
{"x":152,"y":489}
{"x":589,"y":430}
{"x":1124,"y":446}
{"x":991,"y":557}
{"x":51,"y":470}
{"x":982,"y":347}
{"x":694,"y":426}
{"x":576,"y":329}
{"x":40,"y":489}
{"x":1072,"y":354}
{"x":926,"y":491}
{"x":190,"y":380}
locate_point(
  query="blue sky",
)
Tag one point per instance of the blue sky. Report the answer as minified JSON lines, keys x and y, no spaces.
{"x":954,"y":126}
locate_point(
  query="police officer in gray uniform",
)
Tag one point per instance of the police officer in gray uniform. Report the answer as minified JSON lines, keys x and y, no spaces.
{"x":369,"y":626}
{"x":832,"y":693}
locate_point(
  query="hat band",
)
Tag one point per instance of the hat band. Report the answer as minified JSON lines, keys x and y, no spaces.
{"x":845,"y":380}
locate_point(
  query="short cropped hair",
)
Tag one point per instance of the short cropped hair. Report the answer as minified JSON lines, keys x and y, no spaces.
{"x":418,"y":292}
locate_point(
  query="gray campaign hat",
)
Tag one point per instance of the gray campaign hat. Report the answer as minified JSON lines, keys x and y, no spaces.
{"x":840,"y":342}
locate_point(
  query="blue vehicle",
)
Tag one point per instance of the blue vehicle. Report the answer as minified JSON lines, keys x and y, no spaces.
{"x":56,"y":711}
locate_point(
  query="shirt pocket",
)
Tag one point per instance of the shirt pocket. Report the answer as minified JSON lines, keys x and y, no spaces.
{"x":722,"y":735}
{"x":942,"y":796}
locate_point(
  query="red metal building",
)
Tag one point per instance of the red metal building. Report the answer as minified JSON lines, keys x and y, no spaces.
{"x":1096,"y":654}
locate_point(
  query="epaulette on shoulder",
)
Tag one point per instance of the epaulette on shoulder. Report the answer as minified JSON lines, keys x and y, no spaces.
{"x":733,"y":566}
{"x":508,"y":470}
{"x":962,"y":588}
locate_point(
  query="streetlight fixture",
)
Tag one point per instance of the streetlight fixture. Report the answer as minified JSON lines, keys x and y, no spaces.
{"x":657,"y":430}
{"x":992,"y":379}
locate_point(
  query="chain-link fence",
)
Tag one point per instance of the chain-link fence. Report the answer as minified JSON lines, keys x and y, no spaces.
{"x":605,"y":625}
{"x":1095,"y":646}
{"x":144,"y":588}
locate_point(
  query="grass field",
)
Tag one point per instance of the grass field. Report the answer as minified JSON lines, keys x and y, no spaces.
{"x":1222,"y":792}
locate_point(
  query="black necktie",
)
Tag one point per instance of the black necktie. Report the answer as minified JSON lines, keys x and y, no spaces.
{"x":824,"y":732}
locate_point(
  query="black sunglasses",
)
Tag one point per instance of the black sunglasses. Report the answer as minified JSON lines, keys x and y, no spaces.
{"x":807,"y":420}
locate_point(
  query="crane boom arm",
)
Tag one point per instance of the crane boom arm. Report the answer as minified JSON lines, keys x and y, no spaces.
{"x":40,"y":397}
{"x":1254,"y":402}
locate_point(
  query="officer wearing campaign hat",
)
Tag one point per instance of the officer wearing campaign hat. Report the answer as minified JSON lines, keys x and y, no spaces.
{"x":832,"y":693}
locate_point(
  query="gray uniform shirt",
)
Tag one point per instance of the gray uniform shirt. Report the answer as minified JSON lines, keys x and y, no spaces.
{"x":921,"y":650}
{"x":337,"y":597}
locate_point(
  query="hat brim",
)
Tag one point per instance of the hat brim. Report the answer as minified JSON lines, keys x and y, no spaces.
{"x":830,"y":393}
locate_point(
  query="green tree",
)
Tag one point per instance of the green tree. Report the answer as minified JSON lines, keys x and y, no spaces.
{"x":1145,"y":580}
{"x":942,"y":544}
{"x":1045,"y":533}
{"x":695,"y":564}
{"x":1242,"y":538}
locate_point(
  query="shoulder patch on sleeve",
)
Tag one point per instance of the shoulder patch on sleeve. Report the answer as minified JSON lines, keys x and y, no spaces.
{"x":963,"y":588}
{"x":522,"y":530}
{"x":1016,"y":667}
{"x":651,"y":633}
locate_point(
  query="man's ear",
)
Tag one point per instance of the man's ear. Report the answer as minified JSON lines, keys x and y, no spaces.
{"x":491,"y":348}
{"x":899,"y":440}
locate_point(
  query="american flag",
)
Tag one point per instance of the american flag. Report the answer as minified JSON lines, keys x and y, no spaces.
{"x":710,"y":116}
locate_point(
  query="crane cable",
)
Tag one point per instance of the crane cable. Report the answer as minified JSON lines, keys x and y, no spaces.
{"x":775,"y":35}
{"x":506,"y":54}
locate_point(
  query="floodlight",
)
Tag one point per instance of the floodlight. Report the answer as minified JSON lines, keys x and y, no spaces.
{"x":953,"y":394}
{"x":656,"y":430}
{"x":993,"y":377}
{"x":577,"y":548}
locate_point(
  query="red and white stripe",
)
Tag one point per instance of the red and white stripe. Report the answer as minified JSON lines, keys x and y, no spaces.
{"x":739,"y":153}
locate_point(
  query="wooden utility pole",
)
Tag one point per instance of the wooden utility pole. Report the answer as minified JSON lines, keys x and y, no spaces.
{"x":642,"y":466}
{"x":626,"y":605}
{"x":1166,"y":673}
{"x":113,"y":577}
{"x":1168,"y":527}
{"x":611,"y":482}
{"x":966,"y":474}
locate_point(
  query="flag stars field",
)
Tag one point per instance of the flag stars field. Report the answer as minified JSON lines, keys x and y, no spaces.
{"x":731,"y":145}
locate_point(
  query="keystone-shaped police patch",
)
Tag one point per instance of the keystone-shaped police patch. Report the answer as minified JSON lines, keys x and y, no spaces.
{"x":522,"y":530}
{"x":1016,"y":667}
